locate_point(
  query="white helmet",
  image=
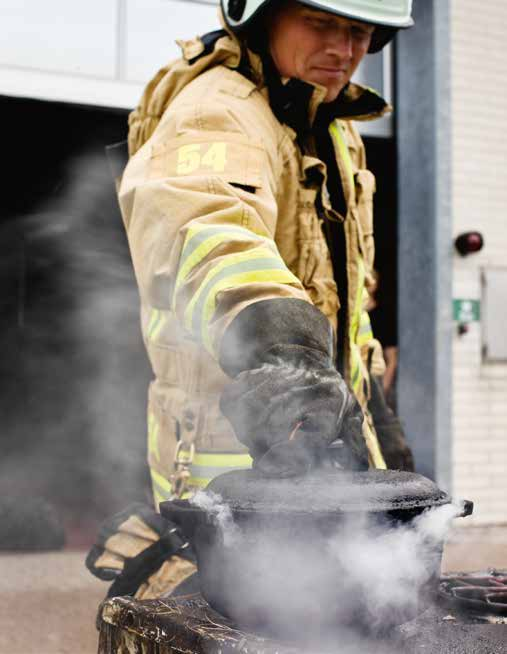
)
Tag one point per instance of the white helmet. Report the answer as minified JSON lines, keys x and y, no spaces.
{"x":388,"y":15}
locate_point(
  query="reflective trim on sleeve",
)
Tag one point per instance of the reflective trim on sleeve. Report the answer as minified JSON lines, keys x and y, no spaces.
{"x":267,"y":275}
{"x":252,"y":266}
{"x":203,"y":239}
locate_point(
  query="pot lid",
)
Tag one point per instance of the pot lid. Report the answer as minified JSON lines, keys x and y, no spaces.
{"x":328,"y":491}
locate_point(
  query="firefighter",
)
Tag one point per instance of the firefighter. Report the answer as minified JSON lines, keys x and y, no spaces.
{"x":248,"y":208}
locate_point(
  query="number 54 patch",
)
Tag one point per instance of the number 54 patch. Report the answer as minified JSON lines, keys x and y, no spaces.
{"x":232,"y":157}
{"x":194,"y":156}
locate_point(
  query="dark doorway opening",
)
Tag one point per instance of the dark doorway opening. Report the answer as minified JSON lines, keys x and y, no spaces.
{"x":381,"y":158}
{"x":73,"y":369}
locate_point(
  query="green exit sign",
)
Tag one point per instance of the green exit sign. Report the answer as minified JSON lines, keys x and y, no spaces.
{"x":466,"y":310}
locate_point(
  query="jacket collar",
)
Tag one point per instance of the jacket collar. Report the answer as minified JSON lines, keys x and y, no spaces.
{"x":300,"y":104}
{"x":297,"y":103}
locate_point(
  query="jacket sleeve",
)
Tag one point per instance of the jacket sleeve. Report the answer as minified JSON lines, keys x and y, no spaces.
{"x":199,"y":204}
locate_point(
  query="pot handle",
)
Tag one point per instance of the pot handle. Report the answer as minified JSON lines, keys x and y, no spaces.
{"x":181,"y":512}
{"x":468,"y":509}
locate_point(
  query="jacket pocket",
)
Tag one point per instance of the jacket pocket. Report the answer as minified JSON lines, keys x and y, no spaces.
{"x":313,"y":266}
{"x":365,"y":189}
{"x":165,"y":418}
{"x":173,"y":365}
{"x":315,"y":271}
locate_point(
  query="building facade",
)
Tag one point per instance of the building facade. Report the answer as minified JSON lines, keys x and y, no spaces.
{"x":479,"y":202}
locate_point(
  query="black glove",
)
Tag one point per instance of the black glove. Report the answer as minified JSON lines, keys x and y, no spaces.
{"x":132,"y":545}
{"x":397,"y":453}
{"x":288,"y":402}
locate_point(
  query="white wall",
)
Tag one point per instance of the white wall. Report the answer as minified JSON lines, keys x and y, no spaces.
{"x":97,"y":52}
{"x":479,"y":100}
{"x":102,"y":52}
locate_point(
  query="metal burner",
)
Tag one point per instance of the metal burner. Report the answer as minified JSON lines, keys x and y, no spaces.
{"x":478,"y":593}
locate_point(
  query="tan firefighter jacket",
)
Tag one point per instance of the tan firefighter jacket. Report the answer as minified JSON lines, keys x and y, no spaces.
{"x":222,"y":209}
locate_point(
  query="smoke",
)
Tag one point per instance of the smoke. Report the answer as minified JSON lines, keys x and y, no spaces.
{"x":364,"y":576}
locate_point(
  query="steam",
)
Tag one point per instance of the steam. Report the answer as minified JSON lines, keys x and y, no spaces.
{"x":75,"y":371}
{"x":391,"y":566}
{"x":220,"y":513}
{"x":296,"y":583}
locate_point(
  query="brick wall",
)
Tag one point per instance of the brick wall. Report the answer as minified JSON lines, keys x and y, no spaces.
{"x":479,"y":115}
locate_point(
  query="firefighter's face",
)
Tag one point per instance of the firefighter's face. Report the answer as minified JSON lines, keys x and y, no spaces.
{"x":317,"y":46}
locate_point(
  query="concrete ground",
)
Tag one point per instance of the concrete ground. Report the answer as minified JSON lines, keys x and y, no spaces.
{"x":49,"y":601}
{"x":476,"y":548}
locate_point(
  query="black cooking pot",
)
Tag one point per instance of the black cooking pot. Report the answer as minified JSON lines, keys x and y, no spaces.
{"x":286,"y":555}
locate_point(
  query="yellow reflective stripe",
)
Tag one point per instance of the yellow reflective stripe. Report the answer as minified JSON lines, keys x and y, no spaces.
{"x":222,"y":460}
{"x":157,"y":321}
{"x":162,"y":488}
{"x":228,"y":261}
{"x":154,"y":319}
{"x":364,"y":339}
{"x":356,"y":361}
{"x":153,"y":430}
{"x":365,"y":321}
{"x":365,"y":333}
{"x":208,"y":465}
{"x":158,"y":327}
{"x":355,"y":371}
{"x":162,"y":483}
{"x":375,"y":454}
{"x":355,"y":322}
{"x":271,"y":275}
{"x":202,"y":239}
{"x":256,"y":265}
{"x":160,"y":494}
{"x":358,"y":309}
{"x":336,"y":130}
{"x":208,"y":468}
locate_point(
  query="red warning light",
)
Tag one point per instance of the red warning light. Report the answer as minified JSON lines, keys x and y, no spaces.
{"x":468,"y":243}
